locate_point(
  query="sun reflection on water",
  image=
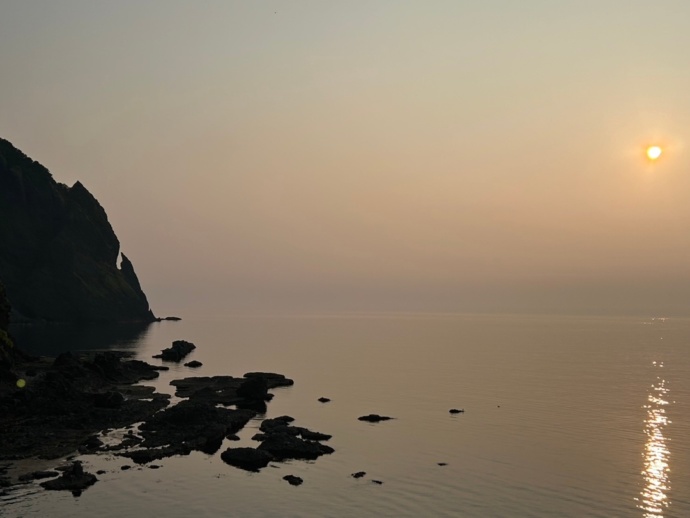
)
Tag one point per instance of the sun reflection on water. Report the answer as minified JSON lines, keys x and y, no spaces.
{"x":654,"y":495}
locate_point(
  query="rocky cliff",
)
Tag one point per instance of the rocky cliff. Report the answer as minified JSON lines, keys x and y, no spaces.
{"x":58,"y":252}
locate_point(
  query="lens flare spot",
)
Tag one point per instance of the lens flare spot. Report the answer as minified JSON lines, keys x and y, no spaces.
{"x":21,"y":383}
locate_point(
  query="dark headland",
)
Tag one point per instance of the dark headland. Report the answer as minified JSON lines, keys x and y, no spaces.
{"x":58,"y":263}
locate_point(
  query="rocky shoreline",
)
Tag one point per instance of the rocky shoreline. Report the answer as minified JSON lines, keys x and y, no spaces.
{"x":67,"y":405}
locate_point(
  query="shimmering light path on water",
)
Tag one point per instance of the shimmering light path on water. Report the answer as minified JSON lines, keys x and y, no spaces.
{"x":657,"y":477}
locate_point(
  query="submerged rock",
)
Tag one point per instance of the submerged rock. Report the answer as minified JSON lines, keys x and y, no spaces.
{"x":374,"y":418}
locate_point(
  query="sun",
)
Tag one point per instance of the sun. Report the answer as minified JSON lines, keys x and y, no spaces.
{"x":654,"y":152}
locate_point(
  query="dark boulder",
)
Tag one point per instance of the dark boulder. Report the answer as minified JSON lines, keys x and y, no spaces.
{"x":74,"y":479}
{"x":272,"y":379}
{"x":250,"y":459}
{"x":283,"y":446}
{"x":293,"y":480}
{"x":178,"y":350}
{"x":374,"y":418}
{"x":359,"y":474}
{"x":253,"y":389}
{"x":324,"y":400}
{"x":193,"y":364}
{"x":456,"y":410}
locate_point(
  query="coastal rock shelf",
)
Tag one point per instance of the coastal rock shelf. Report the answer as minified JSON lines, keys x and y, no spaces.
{"x":89,"y":404}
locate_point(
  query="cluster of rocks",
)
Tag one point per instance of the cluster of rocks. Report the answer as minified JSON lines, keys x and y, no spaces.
{"x":69,"y":399}
{"x":279,"y":441}
{"x":64,"y":401}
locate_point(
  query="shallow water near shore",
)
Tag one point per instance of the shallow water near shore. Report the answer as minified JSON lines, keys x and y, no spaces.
{"x":564,"y":416}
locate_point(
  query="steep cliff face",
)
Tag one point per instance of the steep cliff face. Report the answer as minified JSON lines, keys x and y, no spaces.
{"x":58,"y":252}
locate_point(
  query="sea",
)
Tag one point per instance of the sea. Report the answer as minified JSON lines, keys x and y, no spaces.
{"x":564,"y":416}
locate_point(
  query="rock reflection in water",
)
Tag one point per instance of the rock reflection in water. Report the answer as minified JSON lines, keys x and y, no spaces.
{"x":653,"y":500}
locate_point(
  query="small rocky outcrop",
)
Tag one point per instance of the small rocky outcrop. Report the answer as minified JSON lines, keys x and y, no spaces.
{"x":374,"y":418}
{"x":293,"y":480}
{"x":194,"y":364}
{"x":175,"y":353}
{"x":74,"y":479}
{"x":456,"y":410}
{"x":284,"y":441}
{"x":324,"y":400}
{"x":249,"y":459}
{"x":359,"y":474}
{"x":249,"y":391}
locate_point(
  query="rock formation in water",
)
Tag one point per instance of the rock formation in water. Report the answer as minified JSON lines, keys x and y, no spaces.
{"x":59,"y":254}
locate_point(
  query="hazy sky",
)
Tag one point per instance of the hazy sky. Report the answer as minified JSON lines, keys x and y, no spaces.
{"x":369,"y":155}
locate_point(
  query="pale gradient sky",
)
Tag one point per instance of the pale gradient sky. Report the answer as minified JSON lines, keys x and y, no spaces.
{"x":380,"y":155}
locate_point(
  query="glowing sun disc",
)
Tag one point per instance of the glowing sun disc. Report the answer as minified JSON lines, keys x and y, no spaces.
{"x":653,"y":152}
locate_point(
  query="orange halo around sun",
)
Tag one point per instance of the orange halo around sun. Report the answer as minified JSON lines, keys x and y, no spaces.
{"x":654,"y":152}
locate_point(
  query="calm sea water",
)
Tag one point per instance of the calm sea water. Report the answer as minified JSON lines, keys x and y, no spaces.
{"x":567,"y":417}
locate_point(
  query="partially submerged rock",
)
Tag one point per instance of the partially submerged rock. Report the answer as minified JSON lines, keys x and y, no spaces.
{"x":74,"y":479}
{"x":178,"y":350}
{"x":456,"y":410}
{"x":293,"y":480}
{"x":374,"y":418}
{"x":250,"y":459}
{"x":193,"y":364}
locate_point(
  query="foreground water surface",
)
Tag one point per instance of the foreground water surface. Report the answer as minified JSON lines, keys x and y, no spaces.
{"x":564,"y":416}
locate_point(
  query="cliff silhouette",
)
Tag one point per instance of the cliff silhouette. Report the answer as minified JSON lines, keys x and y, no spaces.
{"x":58,"y":252}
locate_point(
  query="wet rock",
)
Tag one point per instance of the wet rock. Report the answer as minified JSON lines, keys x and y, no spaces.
{"x":178,"y":350}
{"x":293,"y":480}
{"x":193,"y":364}
{"x":324,"y":400}
{"x":154,"y":466}
{"x":189,"y":425}
{"x":456,"y":410}
{"x":442,"y":463}
{"x":272,"y":379}
{"x":125,"y":467}
{"x":374,"y":418}
{"x":379,"y":482}
{"x":232,"y":437}
{"x":255,"y":389}
{"x":283,"y":446}
{"x":74,"y":479}
{"x":359,"y":474}
{"x":250,"y":459}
